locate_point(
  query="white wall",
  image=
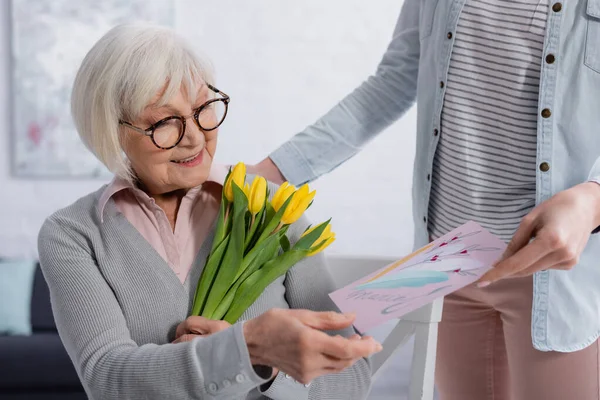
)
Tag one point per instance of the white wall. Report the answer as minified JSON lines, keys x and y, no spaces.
{"x":284,"y":64}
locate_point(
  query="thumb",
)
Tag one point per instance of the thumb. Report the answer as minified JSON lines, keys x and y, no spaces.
{"x":327,"y":321}
{"x":217,"y":325}
{"x":520,"y":239}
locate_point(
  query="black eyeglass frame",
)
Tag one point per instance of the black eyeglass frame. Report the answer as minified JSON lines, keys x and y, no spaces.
{"x":150,"y":130}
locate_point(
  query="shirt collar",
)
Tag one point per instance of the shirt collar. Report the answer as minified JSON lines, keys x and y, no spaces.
{"x":217,"y":174}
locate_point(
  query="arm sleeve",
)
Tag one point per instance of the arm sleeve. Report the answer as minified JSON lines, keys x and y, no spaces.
{"x":374,"y":105}
{"x":109,"y":363}
{"x":595,"y":177}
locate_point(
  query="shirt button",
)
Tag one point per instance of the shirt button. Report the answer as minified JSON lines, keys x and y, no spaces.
{"x":550,"y":58}
{"x":239,"y":378}
{"x":435,"y":132}
{"x":546,"y":113}
{"x":212,"y":387}
{"x":287,"y":376}
{"x":226,"y":383}
{"x":441,"y":84}
{"x":306,"y":385}
{"x":557,"y":7}
{"x":449,"y":35}
{"x":428,"y":177}
{"x":544,"y":167}
{"x":425,"y":219}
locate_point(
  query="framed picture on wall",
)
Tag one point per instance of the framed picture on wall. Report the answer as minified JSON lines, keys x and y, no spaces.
{"x":49,"y":39}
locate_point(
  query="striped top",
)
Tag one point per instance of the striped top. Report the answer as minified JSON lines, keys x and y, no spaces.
{"x":485,"y":164}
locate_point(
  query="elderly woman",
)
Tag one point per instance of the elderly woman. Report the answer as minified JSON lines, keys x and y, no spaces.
{"x":122,"y":263}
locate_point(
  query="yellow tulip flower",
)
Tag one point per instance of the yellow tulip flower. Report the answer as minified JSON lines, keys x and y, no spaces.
{"x":325,"y":245}
{"x":247,"y":191}
{"x":257,"y":194}
{"x":238,"y":175}
{"x":281,"y":195}
{"x":327,"y":235}
{"x":300,"y":201}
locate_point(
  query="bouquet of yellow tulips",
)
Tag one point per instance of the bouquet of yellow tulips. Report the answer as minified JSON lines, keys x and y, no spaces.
{"x":250,"y":248}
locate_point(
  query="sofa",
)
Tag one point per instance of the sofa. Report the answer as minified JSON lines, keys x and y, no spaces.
{"x":37,"y":366}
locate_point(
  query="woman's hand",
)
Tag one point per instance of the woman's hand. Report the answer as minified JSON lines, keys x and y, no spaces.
{"x":292,"y":341}
{"x":198,"y":326}
{"x":267,"y":169}
{"x":560,"y":228}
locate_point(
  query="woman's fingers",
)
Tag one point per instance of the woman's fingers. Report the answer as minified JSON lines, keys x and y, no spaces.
{"x":200,"y":326}
{"x":294,"y":342}
{"x":197,"y":325}
{"x":336,"y":346}
{"x":552,"y":261}
{"x":521,"y":237}
{"x":345,"y":349}
{"x":518,"y":262}
{"x":518,"y":254}
{"x":324,"y":321}
{"x":188,"y":337}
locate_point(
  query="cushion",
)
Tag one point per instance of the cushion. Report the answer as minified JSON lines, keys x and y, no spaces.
{"x":42,"y":319}
{"x":16,"y":284}
{"x":36,"y":362}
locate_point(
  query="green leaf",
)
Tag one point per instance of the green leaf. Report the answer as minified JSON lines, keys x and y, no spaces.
{"x":269,"y":213}
{"x":268,"y":243}
{"x":207,"y":278}
{"x":274,"y":221}
{"x":251,"y":288}
{"x":285,"y":243}
{"x":264,"y":220}
{"x":253,"y":229}
{"x":307,"y":241}
{"x":268,"y":252}
{"x":222,"y":225}
{"x":223,"y":220}
{"x":233,"y":255}
{"x":224,"y":305}
{"x":234,"y":313}
{"x":247,"y":219}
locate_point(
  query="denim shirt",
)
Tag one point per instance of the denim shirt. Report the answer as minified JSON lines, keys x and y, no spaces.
{"x":566,"y":306}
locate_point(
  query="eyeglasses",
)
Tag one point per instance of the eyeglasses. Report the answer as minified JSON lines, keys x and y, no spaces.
{"x":168,"y":132}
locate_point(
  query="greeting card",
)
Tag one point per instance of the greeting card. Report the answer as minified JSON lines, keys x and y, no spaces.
{"x":445,"y":265}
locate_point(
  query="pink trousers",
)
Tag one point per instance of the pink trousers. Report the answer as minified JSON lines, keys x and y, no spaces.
{"x":485,"y":350}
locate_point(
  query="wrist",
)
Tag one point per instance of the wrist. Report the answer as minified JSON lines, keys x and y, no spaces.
{"x":270,"y":171}
{"x":593,"y":188}
{"x":252,"y":338}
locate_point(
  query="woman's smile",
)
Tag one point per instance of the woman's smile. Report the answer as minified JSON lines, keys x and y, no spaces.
{"x":190,"y":161}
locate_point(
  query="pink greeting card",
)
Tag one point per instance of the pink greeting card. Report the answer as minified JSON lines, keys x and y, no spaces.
{"x":443,"y":266}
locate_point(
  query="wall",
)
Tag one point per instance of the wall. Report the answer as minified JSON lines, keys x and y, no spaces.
{"x":284,"y":64}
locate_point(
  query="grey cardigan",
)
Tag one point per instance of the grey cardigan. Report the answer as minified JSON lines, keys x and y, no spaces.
{"x":117,"y":303}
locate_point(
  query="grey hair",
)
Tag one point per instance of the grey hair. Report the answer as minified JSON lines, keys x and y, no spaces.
{"x":119,"y":77}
